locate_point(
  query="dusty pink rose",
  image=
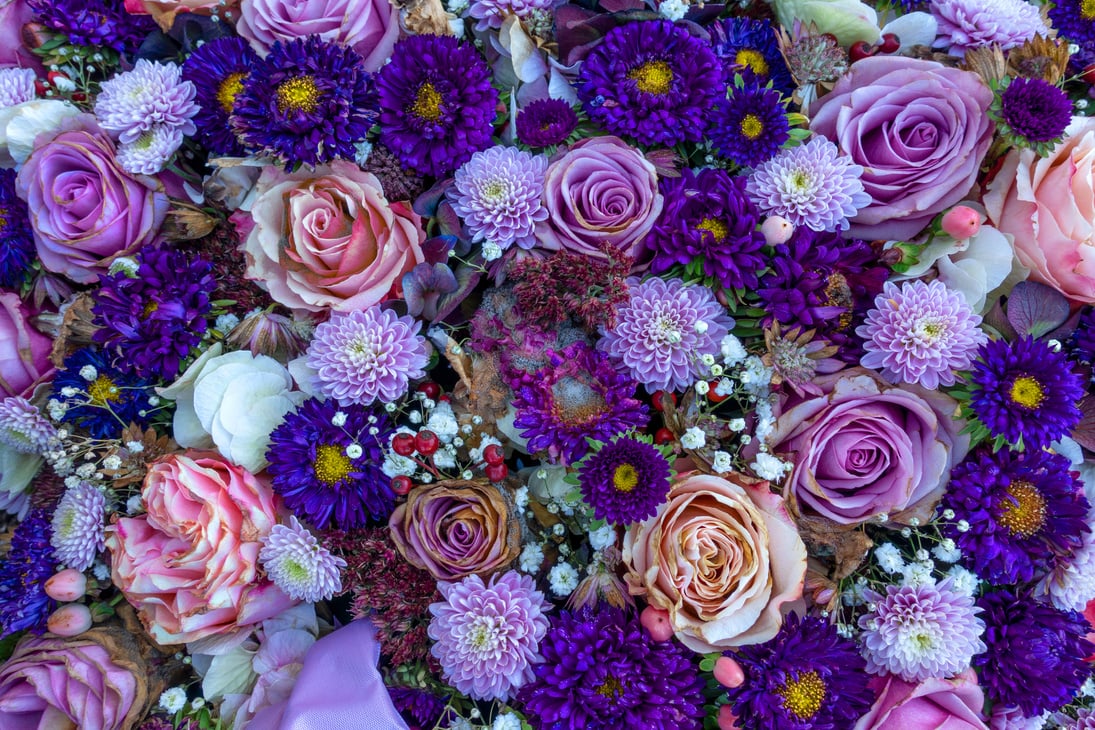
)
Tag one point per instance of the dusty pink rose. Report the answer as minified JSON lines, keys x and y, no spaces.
{"x":190,"y":564}
{"x":84,"y":209}
{"x":24,"y":351}
{"x":864,"y":447}
{"x":934,"y":704}
{"x":329,"y":239}
{"x":1048,"y":205}
{"x":722,"y":557}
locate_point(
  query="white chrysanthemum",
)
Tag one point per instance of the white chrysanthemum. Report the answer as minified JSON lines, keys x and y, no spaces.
{"x":16,"y":86}
{"x":299,"y":565}
{"x":151,"y":95}
{"x":77,"y":535}
{"x":150,"y":152}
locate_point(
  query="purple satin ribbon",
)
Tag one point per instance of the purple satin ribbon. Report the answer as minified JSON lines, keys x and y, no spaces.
{"x":338,"y":687}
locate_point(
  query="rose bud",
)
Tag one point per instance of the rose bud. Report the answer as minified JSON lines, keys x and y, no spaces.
{"x":776,"y":230}
{"x":961,"y":222}
{"x":66,"y":585}
{"x":70,"y":619}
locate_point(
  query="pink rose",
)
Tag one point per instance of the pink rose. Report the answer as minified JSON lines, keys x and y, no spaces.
{"x":14,"y":14}
{"x":330,"y":239}
{"x":722,"y":557}
{"x":864,"y":447}
{"x":24,"y":351}
{"x":370,"y":27}
{"x":190,"y":564}
{"x":934,"y":704}
{"x":84,"y":209}
{"x":1045,"y":203}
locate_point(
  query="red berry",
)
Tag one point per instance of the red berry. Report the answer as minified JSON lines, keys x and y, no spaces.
{"x":890,"y":43}
{"x":860,"y":50}
{"x":430,"y":388}
{"x":426,"y":442}
{"x":403,"y":444}
{"x":52,"y":76}
{"x":663,"y":436}
{"x":493,"y":454}
{"x":656,"y":399}
{"x":497,"y":472}
{"x":401,"y":484}
{"x":39,"y":87}
{"x":1088,"y":74}
{"x":79,"y":96}
{"x":712,"y":395}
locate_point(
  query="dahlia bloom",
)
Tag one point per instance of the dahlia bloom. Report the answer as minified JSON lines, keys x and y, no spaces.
{"x":497,"y":196}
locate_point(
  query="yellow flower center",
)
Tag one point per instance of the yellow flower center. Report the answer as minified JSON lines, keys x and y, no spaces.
{"x":715,"y":227}
{"x":149,"y":308}
{"x":427,"y":103}
{"x":1027,"y":392}
{"x":103,"y":391}
{"x":229,"y":89}
{"x":625,"y":478}
{"x":802,"y":697}
{"x":1087,"y":9}
{"x":751,"y":127}
{"x":1025,"y":514}
{"x":331,"y":464}
{"x":610,"y":688}
{"x":298,"y":94}
{"x":653,"y":77}
{"x":754,"y":60}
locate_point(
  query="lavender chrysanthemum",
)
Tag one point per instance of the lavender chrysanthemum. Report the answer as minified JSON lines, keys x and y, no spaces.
{"x":497,"y":195}
{"x":1032,"y":111}
{"x":366,"y":356}
{"x":968,"y":24}
{"x":625,"y":481}
{"x":664,"y":330}
{"x":1071,"y":583}
{"x":150,"y":153}
{"x":750,"y":126}
{"x":920,"y":632}
{"x":152,"y":95}
{"x":77,"y":528}
{"x":546,"y":122}
{"x":16,"y":86}
{"x":24,"y":428}
{"x":811,"y":185}
{"x":302,"y":568}
{"x":17,"y":249}
{"x":24,"y":605}
{"x":490,"y":14}
{"x":217,"y":69}
{"x":1084,"y":720}
{"x":920,"y":333}
{"x":487,"y":634}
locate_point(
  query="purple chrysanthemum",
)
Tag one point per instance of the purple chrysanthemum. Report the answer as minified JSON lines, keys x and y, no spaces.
{"x":920,"y":333}
{"x":651,"y":80}
{"x":77,"y":533}
{"x":489,"y":14}
{"x":920,"y":632}
{"x":24,"y":428}
{"x":1026,"y":511}
{"x":150,"y":153}
{"x":308,"y":101}
{"x":17,"y":249}
{"x":16,"y":86}
{"x":217,"y":69}
{"x":497,"y":195}
{"x":577,"y":395}
{"x":1072,"y":20}
{"x":1025,"y":392}
{"x":152,"y":95}
{"x":437,"y":105}
{"x":29,"y":563}
{"x":708,"y":219}
{"x":811,"y":185}
{"x":302,"y":568}
{"x":95,"y":23}
{"x":1029,"y":640}
{"x":331,"y":474}
{"x":546,"y":122}
{"x":366,"y":356}
{"x":1033,"y":110}
{"x":750,"y":126}
{"x":101,"y":397}
{"x":968,"y":24}
{"x":664,"y":330}
{"x":748,"y":47}
{"x":419,"y":705}
{"x":807,"y":677}
{"x":624,"y":481}
{"x":486,"y":634}
{"x":603,"y":671}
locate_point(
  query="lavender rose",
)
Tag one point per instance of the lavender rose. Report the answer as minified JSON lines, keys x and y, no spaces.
{"x":24,"y":352}
{"x":920,"y":131}
{"x":864,"y":448}
{"x":934,"y":704}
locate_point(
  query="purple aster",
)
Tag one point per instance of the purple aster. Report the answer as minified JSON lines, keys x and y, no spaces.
{"x":302,"y":568}
{"x":150,"y":153}
{"x":29,"y":563}
{"x":577,"y":395}
{"x":95,"y":23}
{"x":489,"y":14}
{"x":1073,"y":20}
{"x":1081,"y":344}
{"x":77,"y":536}
{"x":664,"y":330}
{"x":17,"y":250}
{"x":1032,"y":112}
{"x":217,"y":69}
{"x":308,"y":102}
{"x":811,"y":185}
{"x":420,"y":705}
{"x":24,"y":428}
{"x":156,"y":317}
{"x":750,"y":126}
{"x":16,"y":86}
{"x":1025,"y":393}
{"x":331,"y":474}
{"x":625,"y":480}
{"x":101,"y":397}
{"x":366,"y":356}
{"x":920,"y":632}
{"x":546,"y":123}
{"x":1026,"y":511}
{"x":486,"y":634}
{"x":807,"y":677}
{"x":920,"y":333}
{"x":966,"y":24}
{"x":708,"y":220}
{"x":1027,"y":640}
{"x":651,"y":80}
{"x":152,"y":95}
{"x":748,"y":47}
{"x":497,"y":195}
{"x":437,"y":105}
{"x":603,"y":671}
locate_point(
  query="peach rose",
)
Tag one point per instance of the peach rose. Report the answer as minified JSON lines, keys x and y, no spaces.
{"x":722,"y":556}
{"x":1048,"y":205}
{"x":329,"y":238}
{"x":190,"y":564}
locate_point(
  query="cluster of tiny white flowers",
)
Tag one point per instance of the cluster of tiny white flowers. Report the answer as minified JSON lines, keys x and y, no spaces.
{"x":563,"y":579}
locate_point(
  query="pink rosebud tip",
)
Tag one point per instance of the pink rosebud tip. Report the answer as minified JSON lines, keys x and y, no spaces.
{"x":776,"y":230}
{"x":961,"y":222}
{"x":824,"y":596}
{"x":66,"y":585}
{"x":727,"y":719}
{"x":656,"y":622}
{"x":70,"y":619}
{"x":728,"y":672}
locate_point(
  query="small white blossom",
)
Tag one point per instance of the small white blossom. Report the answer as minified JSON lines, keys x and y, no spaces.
{"x":173,"y":700}
{"x":722,"y":462}
{"x":716,"y":370}
{"x":947,"y":551}
{"x":736,"y":425}
{"x":133,"y":504}
{"x":532,"y":557}
{"x":694,"y":438}
{"x":702,"y":386}
{"x":112,"y":462}
{"x":770,"y":467}
{"x":491,"y":251}
{"x":889,"y":558}
{"x":604,"y":536}
{"x":89,"y":373}
{"x":733,"y":351}
{"x":520,"y":498}
{"x":724,"y":387}
{"x":563,"y":579}
{"x":962,"y":580}
{"x":339,"y":419}
{"x":414,"y":417}
{"x":226,"y":322}
{"x":354,"y":451}
{"x":918,"y":574}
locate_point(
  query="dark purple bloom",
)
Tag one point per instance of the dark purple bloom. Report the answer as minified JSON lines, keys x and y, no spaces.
{"x":651,"y":80}
{"x":218,"y":69}
{"x":603,"y":671}
{"x":749,"y":127}
{"x":103,"y":398}
{"x":1072,"y":19}
{"x":24,"y":571}
{"x":1081,"y":344}
{"x":748,"y":47}
{"x":424,"y":286}
{"x":418,"y":705}
{"x":624,"y":481}
{"x":16,"y":238}
{"x":95,"y":23}
{"x":1034,"y":110}
{"x":546,"y":122}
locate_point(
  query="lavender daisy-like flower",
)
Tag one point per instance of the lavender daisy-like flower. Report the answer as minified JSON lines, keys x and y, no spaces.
{"x":23,"y":427}
{"x":1025,"y":392}
{"x":664,"y":330}
{"x":806,"y":677}
{"x":810,"y":185}
{"x":748,"y":47}
{"x":920,"y":632}
{"x":150,"y":153}
{"x":152,"y":95}
{"x":16,"y":86}
{"x":650,"y":80}
{"x":308,"y":102}
{"x":366,"y":356}
{"x":603,"y":671}
{"x":437,"y":105}
{"x":546,"y":122}
{"x":1026,"y":512}
{"x":920,"y":333}
{"x":625,"y":480}
{"x":17,"y":249}
{"x":1071,"y":583}
{"x":77,"y":535}
{"x":577,"y":395}
{"x":486,"y":634}
{"x":750,"y":126}
{"x":302,"y":568}
{"x":489,"y":14}
{"x":217,"y":69}
{"x":967,"y":24}
{"x":1029,"y":640}
{"x":24,"y":605}
{"x":497,"y":195}
{"x":1032,"y":113}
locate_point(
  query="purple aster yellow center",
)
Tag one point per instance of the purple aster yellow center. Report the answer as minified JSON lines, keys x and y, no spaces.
{"x":1025,"y":514}
{"x":103,"y":390}
{"x":1027,"y":392}
{"x":427,"y":103}
{"x":229,"y":89}
{"x":331,"y":465}
{"x":802,"y":696}
{"x":625,"y":478}
{"x":652,"y":77}
{"x":1087,"y":9}
{"x":610,"y":688}
{"x":298,"y":94}
{"x":718,"y":229}
{"x":149,"y":307}
{"x":753,"y":60}
{"x":751,"y":126}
